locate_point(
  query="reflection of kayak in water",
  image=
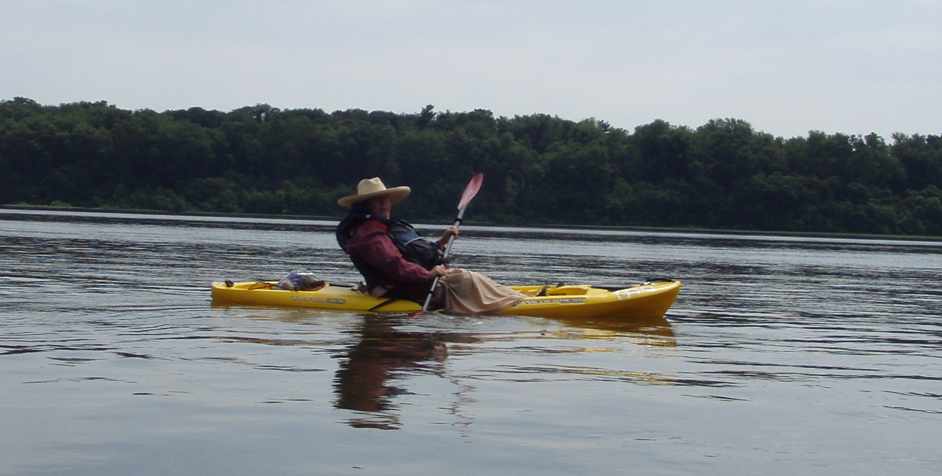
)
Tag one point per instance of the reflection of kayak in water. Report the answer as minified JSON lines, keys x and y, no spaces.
{"x":640,"y":301}
{"x":650,"y":331}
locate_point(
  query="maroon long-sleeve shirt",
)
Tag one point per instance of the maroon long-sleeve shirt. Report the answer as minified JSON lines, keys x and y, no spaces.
{"x":372,"y":245}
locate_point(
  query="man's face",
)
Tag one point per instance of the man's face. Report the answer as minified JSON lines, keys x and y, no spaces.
{"x":381,"y":207}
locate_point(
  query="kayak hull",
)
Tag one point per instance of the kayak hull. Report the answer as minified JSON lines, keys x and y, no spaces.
{"x":644,"y":300}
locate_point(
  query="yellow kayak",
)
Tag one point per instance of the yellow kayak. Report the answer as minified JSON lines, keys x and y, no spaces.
{"x":644,"y":300}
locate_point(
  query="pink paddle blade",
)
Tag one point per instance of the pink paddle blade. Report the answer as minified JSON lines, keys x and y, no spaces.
{"x":470,"y":190}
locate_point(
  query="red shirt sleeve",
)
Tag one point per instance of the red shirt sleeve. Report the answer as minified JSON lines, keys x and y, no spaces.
{"x":373,"y":245}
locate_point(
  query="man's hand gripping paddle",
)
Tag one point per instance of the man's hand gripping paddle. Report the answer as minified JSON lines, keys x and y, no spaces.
{"x":470,"y":190}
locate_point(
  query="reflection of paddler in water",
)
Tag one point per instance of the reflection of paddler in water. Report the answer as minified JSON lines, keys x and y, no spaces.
{"x":364,"y":381}
{"x":381,"y":356}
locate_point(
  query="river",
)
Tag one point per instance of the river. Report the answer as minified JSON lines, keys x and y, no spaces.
{"x":782,"y":355}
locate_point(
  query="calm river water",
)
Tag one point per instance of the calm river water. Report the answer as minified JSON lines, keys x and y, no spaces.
{"x":782,"y":355}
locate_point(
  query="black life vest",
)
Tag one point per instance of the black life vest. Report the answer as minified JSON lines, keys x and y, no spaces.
{"x":412,"y":246}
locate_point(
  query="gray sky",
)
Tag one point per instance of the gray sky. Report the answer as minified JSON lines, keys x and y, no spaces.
{"x":786,"y":67}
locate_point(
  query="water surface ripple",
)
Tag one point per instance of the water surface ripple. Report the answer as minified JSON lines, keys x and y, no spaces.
{"x":782,"y":355}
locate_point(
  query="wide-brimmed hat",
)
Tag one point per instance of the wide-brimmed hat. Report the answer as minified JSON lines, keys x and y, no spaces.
{"x":372,"y":188}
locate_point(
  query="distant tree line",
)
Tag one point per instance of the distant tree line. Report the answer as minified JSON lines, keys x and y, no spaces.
{"x":539,"y":169}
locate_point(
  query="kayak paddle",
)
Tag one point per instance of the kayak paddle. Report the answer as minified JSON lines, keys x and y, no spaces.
{"x":470,"y":190}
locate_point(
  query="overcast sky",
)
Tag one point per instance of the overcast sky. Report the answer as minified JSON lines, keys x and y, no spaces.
{"x":786,"y":67}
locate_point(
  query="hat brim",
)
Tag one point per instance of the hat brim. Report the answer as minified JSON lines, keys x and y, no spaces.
{"x":395,"y":194}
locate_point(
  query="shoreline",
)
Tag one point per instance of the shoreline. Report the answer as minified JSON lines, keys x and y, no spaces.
{"x":692,"y":230}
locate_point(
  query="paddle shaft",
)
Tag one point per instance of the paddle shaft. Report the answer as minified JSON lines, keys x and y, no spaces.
{"x":470,"y":191}
{"x":451,"y":239}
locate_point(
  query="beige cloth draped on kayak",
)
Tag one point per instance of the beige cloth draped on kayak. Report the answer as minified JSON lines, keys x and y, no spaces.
{"x":468,"y":292}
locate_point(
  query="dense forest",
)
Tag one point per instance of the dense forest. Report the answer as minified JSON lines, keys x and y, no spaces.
{"x":539,"y":169}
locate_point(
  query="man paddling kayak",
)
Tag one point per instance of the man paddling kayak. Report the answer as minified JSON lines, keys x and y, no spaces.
{"x":397,"y":263}
{"x":365,"y":236}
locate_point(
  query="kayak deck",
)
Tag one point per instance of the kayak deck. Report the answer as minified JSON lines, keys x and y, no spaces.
{"x":643,"y":300}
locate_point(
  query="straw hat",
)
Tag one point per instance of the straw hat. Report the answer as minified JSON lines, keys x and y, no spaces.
{"x":372,"y":188}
